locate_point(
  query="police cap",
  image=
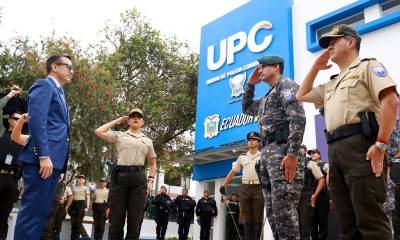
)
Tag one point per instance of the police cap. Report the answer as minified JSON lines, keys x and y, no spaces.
{"x":271,"y":60}
{"x":340,"y":30}
{"x":253,"y":135}
{"x":102,"y":180}
{"x":136,"y":110}
{"x":313,"y":151}
{"x":81,"y":176}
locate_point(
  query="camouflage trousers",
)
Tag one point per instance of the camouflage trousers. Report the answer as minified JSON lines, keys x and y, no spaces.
{"x":281,"y":201}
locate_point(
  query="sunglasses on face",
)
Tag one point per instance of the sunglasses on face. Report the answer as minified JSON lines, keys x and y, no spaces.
{"x":70,"y":67}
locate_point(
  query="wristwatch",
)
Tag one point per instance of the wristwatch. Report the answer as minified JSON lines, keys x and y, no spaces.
{"x":382,"y":146}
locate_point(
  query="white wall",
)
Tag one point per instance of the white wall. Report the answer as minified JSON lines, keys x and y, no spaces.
{"x":381,"y":44}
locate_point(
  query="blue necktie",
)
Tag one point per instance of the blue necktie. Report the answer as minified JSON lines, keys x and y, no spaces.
{"x":61,"y":91}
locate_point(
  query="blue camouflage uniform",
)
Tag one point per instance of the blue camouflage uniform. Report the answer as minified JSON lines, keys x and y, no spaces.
{"x":277,"y":108}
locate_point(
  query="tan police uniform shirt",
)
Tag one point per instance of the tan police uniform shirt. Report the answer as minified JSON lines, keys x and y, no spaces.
{"x":313,"y":167}
{"x":248,"y":163}
{"x":133,"y":149}
{"x":354,"y":90}
{"x":101,"y":195}
{"x":80,"y":192}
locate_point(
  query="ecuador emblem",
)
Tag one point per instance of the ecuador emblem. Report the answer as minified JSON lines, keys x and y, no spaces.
{"x":211,"y":124}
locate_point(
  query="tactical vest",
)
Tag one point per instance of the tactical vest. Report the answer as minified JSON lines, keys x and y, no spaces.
{"x":9,"y":147}
{"x":233,"y":207}
{"x":310,"y":184}
{"x":324,"y":194}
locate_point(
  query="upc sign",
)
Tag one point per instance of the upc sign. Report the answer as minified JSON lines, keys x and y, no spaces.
{"x":229,"y":49}
{"x":236,"y":42}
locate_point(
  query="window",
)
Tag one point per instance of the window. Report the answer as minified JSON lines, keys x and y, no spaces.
{"x":353,"y":21}
{"x":390,"y":6}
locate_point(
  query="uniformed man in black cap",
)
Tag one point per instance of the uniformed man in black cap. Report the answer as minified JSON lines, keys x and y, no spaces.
{"x":9,"y":165}
{"x":360,"y":107}
{"x":163,"y":207}
{"x":184,"y":205}
{"x":232,"y":217}
{"x":251,"y":198}
{"x":281,"y":121}
{"x":206,"y":210}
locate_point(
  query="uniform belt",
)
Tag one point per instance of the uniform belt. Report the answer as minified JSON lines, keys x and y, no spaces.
{"x":7,"y":171}
{"x":129,"y":169}
{"x":250,"y":182}
{"x":343,"y":132}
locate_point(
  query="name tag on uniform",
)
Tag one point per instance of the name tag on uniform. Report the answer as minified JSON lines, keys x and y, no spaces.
{"x":8,"y":159}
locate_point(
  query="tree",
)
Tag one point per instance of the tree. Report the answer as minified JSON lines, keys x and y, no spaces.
{"x":159,"y":75}
{"x":133,"y":66}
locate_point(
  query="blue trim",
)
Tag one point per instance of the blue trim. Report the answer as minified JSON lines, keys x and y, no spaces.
{"x":344,"y":12}
{"x":212,"y":170}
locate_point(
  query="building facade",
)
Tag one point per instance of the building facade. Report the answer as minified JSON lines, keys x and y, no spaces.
{"x":229,"y":48}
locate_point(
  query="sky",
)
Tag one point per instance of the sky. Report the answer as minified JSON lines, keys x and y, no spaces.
{"x":84,"y":19}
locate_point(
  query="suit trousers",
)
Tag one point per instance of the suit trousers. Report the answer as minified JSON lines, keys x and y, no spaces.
{"x":35,"y":202}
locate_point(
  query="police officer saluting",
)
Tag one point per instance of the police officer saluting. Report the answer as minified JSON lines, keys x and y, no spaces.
{"x":184,"y":205}
{"x":99,"y":207}
{"x":355,"y":101}
{"x":282,"y":122}
{"x":251,"y":197}
{"x":128,"y":181}
{"x":206,"y":210}
{"x":9,"y":166}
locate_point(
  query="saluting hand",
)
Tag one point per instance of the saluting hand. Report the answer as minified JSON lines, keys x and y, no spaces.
{"x":255,"y":77}
{"x":121,"y":120}
{"x":46,"y":167}
{"x":289,"y":164}
{"x":375,"y":155}
{"x":322,"y":61}
{"x":15,"y":90}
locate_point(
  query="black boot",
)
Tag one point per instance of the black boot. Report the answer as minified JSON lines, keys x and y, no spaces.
{"x":257,"y":231}
{"x":248,"y":231}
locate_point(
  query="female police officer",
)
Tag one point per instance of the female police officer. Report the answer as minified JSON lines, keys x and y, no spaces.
{"x":128,"y":182}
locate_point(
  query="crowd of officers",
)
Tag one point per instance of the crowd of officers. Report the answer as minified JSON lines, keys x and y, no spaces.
{"x":359,"y":106}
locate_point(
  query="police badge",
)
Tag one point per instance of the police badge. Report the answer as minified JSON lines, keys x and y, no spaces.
{"x":211,"y":124}
{"x":236,"y":83}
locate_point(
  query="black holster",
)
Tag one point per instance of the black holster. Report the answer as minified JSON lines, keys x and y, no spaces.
{"x":369,"y":125}
{"x":282,"y":133}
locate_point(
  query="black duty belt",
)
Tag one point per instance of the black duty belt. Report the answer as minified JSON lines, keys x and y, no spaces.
{"x":128,"y":169}
{"x":343,"y":132}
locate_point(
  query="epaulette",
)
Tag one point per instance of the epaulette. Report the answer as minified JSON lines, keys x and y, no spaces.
{"x":367,"y":59}
{"x":333,"y":76}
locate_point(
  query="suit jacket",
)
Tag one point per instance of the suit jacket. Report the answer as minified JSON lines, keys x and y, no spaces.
{"x":48,"y":124}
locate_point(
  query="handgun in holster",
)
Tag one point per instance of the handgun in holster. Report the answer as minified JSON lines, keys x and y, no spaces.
{"x":282,"y":133}
{"x":369,"y":125}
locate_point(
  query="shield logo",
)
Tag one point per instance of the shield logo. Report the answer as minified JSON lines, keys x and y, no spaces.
{"x":211,"y":124}
{"x":236,"y":83}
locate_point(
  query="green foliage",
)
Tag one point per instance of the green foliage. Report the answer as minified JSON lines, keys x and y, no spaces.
{"x":133,"y":65}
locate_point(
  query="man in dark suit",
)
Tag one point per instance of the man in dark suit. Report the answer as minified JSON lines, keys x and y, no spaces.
{"x":45,"y":154}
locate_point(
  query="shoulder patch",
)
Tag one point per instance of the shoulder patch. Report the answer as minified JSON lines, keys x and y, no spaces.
{"x":380,"y":71}
{"x":288,"y":94}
